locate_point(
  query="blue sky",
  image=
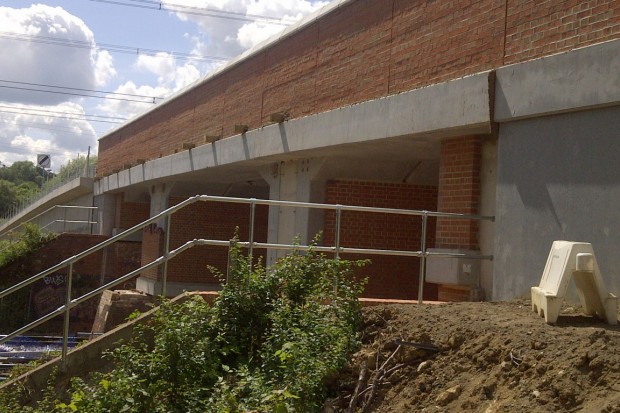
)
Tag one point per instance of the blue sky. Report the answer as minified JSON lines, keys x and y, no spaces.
{"x":63,"y":125}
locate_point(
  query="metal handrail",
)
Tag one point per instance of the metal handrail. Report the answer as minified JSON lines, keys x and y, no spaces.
{"x":88,"y":172}
{"x":250,"y":244}
{"x":50,"y":209}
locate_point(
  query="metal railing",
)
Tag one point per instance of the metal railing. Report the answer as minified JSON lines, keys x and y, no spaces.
{"x":167,"y":255}
{"x":88,"y":172}
{"x":66,"y":221}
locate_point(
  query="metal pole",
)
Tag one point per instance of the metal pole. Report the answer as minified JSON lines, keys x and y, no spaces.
{"x":252,"y":220}
{"x":65,"y":332}
{"x":164,"y":277}
{"x":64,"y":220}
{"x":422,"y":258}
{"x":338,"y":220}
{"x":251,"y":247}
{"x":228,"y":267}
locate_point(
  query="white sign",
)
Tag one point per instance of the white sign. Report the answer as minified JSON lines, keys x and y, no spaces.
{"x":44,"y":161}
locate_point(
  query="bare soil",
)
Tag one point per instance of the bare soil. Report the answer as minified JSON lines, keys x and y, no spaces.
{"x":481,"y":357}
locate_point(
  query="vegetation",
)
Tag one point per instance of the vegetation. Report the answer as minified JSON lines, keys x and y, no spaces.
{"x":23,"y":180}
{"x":271,"y":343}
{"x":18,"y":182}
{"x":13,"y":308}
{"x":21,"y":243}
{"x":71,"y":169}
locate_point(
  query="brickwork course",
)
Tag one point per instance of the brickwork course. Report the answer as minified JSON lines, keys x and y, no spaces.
{"x":360,"y":51}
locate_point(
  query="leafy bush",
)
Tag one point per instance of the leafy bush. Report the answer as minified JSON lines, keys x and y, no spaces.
{"x":13,"y":308}
{"x":23,"y":243}
{"x":270,"y":343}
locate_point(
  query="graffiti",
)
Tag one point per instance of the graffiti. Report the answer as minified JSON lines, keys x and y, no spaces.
{"x":58,"y":279}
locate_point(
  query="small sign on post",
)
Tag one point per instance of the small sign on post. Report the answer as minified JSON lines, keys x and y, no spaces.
{"x":44,"y":161}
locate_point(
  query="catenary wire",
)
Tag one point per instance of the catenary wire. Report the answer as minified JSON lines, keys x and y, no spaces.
{"x":76,"y":94}
{"x":80,"y":44}
{"x":200,"y":11}
{"x":133,"y":95}
{"x":70,"y":116}
{"x":38,"y":125}
{"x":21,"y":108}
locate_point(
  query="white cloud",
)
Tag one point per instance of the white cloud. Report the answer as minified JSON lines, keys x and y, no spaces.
{"x":229,"y":37}
{"x":128,"y":109}
{"x":57,"y":130}
{"x":37,"y":60}
{"x":104,"y":68}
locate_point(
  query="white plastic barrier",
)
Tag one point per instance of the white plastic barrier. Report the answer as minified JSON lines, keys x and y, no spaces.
{"x":573,"y":259}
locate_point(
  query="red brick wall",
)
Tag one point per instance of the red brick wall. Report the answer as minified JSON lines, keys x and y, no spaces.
{"x":361,"y":51}
{"x":49,"y":293}
{"x":459,"y":191}
{"x":434,"y":41}
{"x":364,"y":50}
{"x":133,"y":213}
{"x":388,"y":277}
{"x":536,"y":28}
{"x":152,"y":248}
{"x":208,"y":220}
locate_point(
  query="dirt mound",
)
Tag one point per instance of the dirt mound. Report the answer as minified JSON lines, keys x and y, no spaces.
{"x":482,"y":357}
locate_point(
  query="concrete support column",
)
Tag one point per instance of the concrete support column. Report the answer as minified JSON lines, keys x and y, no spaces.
{"x":297,"y":180}
{"x":153,"y":240}
{"x":159,"y":200}
{"x":106,"y":213}
{"x":488,"y":191}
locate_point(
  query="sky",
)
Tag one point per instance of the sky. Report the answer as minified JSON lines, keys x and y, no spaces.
{"x":72,"y":70}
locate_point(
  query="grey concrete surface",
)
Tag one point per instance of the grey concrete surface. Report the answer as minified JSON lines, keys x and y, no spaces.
{"x":576,"y":80}
{"x":397,"y":127}
{"x":558,"y":179}
{"x":77,"y":192}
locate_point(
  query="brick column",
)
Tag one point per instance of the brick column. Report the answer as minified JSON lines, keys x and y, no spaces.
{"x":459,"y":191}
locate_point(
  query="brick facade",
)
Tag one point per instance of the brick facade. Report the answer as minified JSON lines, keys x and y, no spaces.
{"x":208,"y":220}
{"x":49,"y":293}
{"x":536,"y":28}
{"x":360,"y":51}
{"x":459,"y":191}
{"x":388,"y":277}
{"x":129,"y":214}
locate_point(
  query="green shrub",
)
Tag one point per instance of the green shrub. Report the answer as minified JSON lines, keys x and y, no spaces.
{"x":270,"y":343}
{"x":22,"y":243}
{"x":14,"y":307}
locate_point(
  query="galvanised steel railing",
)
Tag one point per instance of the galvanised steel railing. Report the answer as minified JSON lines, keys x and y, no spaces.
{"x":167,"y":255}
{"x":65,"y":220}
{"x":14,"y":210}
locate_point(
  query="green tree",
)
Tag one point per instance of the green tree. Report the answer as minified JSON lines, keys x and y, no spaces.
{"x":22,"y":171}
{"x":8,"y":196}
{"x":71,"y":169}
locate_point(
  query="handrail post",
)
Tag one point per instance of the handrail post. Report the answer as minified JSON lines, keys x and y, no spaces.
{"x":65,"y":332}
{"x":64,"y":220}
{"x":251,"y":236}
{"x":164,"y":276}
{"x":422,"y":258}
{"x":338,"y":222}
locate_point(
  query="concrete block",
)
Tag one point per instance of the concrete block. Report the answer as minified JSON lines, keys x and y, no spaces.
{"x":573,"y":260}
{"x":453,"y":271}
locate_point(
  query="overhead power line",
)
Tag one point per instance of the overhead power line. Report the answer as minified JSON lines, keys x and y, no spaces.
{"x":38,"y":125}
{"x":60,"y":114}
{"x":72,"y":91}
{"x":114,"y":48}
{"x":200,"y":11}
